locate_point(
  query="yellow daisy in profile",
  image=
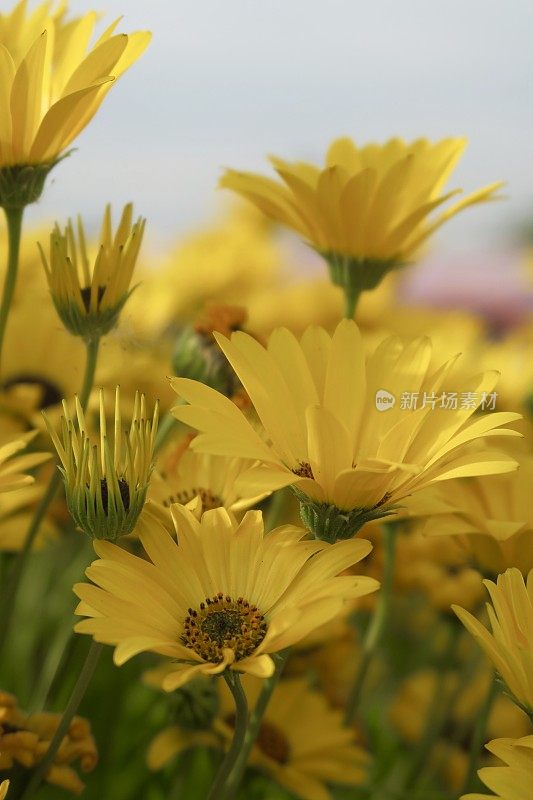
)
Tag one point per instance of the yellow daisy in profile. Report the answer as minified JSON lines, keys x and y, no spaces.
{"x":106,"y":483}
{"x":369,"y":209}
{"x":510,"y":646}
{"x":513,"y":781}
{"x":336,"y":427}
{"x":53,"y":82}
{"x":223,"y":595}
{"x":89,"y":298}
{"x":302,"y":744}
{"x":491,"y":517}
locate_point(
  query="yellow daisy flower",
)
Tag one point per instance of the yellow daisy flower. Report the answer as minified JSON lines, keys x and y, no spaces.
{"x":4,"y":786}
{"x":510,"y":646}
{"x":183,"y":475}
{"x":89,"y":300}
{"x":369,"y":209}
{"x":53,"y":83}
{"x":106,"y":484}
{"x":326,"y":432}
{"x":491,"y":517}
{"x":512,"y":782}
{"x":302,"y":744}
{"x":223,"y":595}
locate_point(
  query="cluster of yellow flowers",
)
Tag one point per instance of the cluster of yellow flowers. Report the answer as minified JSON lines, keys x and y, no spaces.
{"x":315,"y":495}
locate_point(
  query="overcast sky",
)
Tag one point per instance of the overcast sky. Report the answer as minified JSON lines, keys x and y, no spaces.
{"x":226,"y":81}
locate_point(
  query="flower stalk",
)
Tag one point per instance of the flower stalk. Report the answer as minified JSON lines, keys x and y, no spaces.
{"x":221,"y":784}
{"x":478,"y":736}
{"x":78,"y":693}
{"x":377,"y":625}
{"x":14,"y":217}
{"x":236,"y":774}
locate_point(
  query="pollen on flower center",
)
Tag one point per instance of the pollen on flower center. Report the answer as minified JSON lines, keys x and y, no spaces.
{"x":124,"y":493}
{"x":304,"y":470}
{"x":222,"y":623}
{"x":208,"y":498}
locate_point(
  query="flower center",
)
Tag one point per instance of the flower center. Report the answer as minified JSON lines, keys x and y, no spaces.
{"x":50,"y":394}
{"x":273,"y":742}
{"x":8,"y":727}
{"x":222,"y":623}
{"x":209,"y":500}
{"x":221,"y":319}
{"x":270,"y":740}
{"x":304,"y":470}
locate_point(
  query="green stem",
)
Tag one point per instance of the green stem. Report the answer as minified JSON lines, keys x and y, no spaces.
{"x":377,"y":624}
{"x":52,"y":675}
{"x":350,"y":302}
{"x":254,"y":724}
{"x":442,"y":702}
{"x":220,"y":785}
{"x":14,"y":230}
{"x":478,"y":735}
{"x":91,"y":349}
{"x":9,"y":595}
{"x":78,"y":693}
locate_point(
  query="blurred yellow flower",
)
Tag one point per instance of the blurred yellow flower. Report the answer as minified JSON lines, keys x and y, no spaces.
{"x":89,"y":300}
{"x":491,"y":517}
{"x":301,"y":744}
{"x":453,"y":704}
{"x":325,"y":430}
{"x":25,"y":738}
{"x":438,"y":571}
{"x":53,"y":81}
{"x":510,"y":646}
{"x":17,"y":510}
{"x":369,"y":208}
{"x":223,"y":595}
{"x":13,"y":466}
{"x":4,"y":786}
{"x":514,"y":781}
{"x":231,"y":260}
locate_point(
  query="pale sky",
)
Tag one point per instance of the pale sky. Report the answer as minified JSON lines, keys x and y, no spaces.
{"x":225,"y":82}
